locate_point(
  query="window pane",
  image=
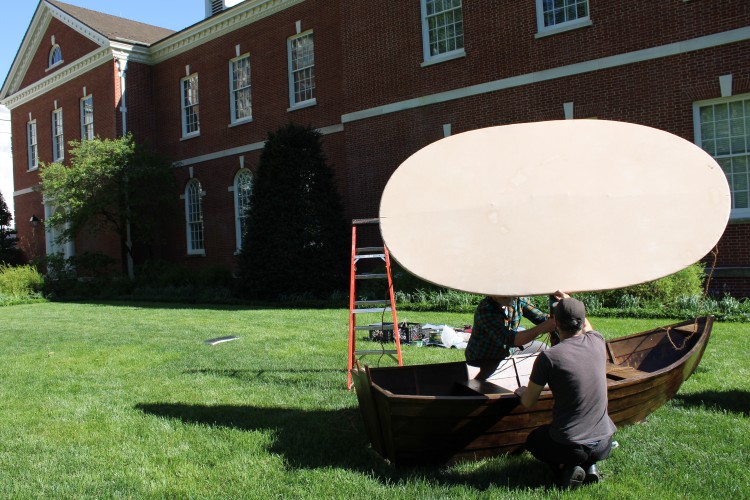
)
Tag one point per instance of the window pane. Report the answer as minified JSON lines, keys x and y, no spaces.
{"x":556,"y":12}
{"x":303,"y":70}
{"x":241,"y":94}
{"x":724,"y":135}
{"x":194,"y":215}
{"x":444,"y":26}
{"x":190,"y":114}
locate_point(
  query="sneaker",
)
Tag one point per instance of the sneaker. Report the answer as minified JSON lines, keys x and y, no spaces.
{"x":592,"y":474}
{"x":572,"y":477}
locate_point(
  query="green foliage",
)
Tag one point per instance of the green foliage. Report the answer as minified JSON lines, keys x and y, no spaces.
{"x":296,"y":239}
{"x":159,"y":273}
{"x":160,"y":280}
{"x":20,"y":280}
{"x":109,"y":184}
{"x":667,"y":290}
{"x":677,"y":296}
{"x":9,"y":253}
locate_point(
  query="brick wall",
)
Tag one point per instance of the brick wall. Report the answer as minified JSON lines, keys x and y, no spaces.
{"x":364,"y":59}
{"x":97,"y":82}
{"x":72,"y":44}
{"x":266,"y":42}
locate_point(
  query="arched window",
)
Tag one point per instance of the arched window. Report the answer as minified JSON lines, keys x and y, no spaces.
{"x":243,"y":188}
{"x":55,"y":56}
{"x":194,"y":217}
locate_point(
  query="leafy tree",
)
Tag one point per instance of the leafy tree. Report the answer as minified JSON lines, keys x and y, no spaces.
{"x":296,"y":240}
{"x":111,"y":184}
{"x":9,"y":253}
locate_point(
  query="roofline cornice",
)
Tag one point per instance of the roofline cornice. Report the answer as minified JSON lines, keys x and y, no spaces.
{"x":135,"y":53}
{"x":216,"y":26}
{"x":63,"y":75}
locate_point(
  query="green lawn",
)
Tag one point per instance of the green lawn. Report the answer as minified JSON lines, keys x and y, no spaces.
{"x":108,"y":400}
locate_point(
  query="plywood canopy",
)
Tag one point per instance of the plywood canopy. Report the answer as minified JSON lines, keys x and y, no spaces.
{"x":574,"y":205}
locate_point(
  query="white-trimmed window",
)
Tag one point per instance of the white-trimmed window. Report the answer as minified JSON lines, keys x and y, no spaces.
{"x":239,"y":89}
{"x":243,"y":188}
{"x":87,"y":118}
{"x":560,"y":15}
{"x":32,"y":141}
{"x":442,"y":29}
{"x":194,"y":217}
{"x":301,"y":51}
{"x":190,"y":106}
{"x":722,"y":129}
{"x":58,"y":141}
{"x":55,"y":56}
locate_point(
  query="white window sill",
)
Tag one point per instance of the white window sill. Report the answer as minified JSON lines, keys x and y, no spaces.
{"x":190,"y":136}
{"x":55,"y":66}
{"x":448,"y":56}
{"x":739,"y":215}
{"x":561,"y":28}
{"x":33,"y":169}
{"x":196,"y":253}
{"x":237,"y":123}
{"x":302,"y":105}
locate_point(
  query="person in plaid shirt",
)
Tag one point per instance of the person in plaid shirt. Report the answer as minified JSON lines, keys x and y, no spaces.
{"x":495,"y":334}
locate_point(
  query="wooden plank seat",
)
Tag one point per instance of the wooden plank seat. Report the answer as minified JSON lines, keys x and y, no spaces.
{"x":620,"y":372}
{"x":483,"y":387}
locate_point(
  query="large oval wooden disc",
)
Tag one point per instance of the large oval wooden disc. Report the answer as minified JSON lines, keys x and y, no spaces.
{"x":572,"y":205}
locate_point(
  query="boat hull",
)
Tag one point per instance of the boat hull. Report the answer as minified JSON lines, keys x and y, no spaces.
{"x":433,"y":414}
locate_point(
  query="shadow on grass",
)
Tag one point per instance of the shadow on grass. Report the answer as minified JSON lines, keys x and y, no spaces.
{"x":251,"y":374}
{"x":736,"y":401}
{"x":309,"y":439}
{"x":139,"y":303}
{"x":284,"y":377}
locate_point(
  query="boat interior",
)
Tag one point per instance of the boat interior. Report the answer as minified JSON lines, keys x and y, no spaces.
{"x":629,"y":357}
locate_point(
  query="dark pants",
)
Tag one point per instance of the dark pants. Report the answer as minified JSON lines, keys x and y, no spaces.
{"x":544,"y":448}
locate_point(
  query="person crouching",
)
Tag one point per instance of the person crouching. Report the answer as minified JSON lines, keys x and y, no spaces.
{"x":581,"y":431}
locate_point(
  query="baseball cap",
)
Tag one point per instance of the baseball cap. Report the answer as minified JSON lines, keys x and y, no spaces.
{"x":570,"y":314}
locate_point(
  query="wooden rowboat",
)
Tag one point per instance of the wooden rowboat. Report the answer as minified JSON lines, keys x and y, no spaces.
{"x":434,"y":414}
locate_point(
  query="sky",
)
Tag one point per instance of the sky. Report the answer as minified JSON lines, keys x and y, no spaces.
{"x":17,"y":14}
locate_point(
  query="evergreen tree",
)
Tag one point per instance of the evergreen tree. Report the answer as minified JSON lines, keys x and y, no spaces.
{"x":296,"y":240}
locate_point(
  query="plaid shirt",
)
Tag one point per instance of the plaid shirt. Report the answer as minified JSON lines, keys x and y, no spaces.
{"x":494,"y":332}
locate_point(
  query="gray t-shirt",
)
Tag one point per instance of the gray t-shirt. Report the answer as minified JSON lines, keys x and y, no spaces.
{"x":576,"y":373}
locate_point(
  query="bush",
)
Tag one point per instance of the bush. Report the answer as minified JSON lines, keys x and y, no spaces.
{"x":20,"y":280}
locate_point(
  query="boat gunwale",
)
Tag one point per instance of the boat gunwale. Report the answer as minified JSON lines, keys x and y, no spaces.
{"x":705,"y":333}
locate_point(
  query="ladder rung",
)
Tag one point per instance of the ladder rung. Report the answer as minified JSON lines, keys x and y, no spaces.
{"x":369,"y":249}
{"x":371,"y":310}
{"x":388,"y":326}
{"x":371,"y":302}
{"x":371,"y":276}
{"x":362,"y":222}
{"x":370,"y":256}
{"x":376,"y":351}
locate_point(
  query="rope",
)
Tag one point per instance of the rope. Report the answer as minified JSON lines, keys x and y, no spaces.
{"x":715,"y":254}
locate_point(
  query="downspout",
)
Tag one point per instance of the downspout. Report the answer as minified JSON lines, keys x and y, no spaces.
{"x":122,"y":66}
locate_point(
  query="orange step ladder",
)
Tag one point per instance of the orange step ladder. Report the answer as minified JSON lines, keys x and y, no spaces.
{"x":357,"y":307}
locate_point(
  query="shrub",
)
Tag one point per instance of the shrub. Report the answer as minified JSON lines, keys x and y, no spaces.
{"x":20,"y":280}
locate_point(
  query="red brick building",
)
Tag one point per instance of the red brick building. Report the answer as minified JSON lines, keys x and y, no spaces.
{"x":379,"y":84}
